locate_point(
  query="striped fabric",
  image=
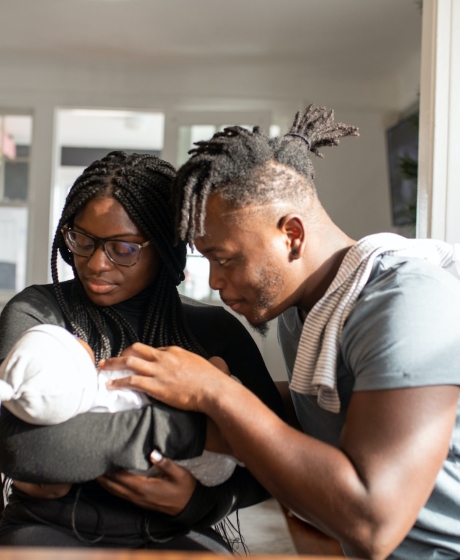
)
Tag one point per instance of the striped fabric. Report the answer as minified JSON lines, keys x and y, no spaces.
{"x":315,"y":368}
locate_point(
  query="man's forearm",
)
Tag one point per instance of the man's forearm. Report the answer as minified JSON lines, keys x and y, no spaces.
{"x":344,"y":498}
{"x":271,"y":450}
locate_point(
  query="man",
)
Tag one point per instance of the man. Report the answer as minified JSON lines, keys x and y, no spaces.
{"x":370,"y":332}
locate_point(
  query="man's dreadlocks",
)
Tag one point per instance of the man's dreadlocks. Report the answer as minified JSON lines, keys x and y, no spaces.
{"x":142,"y":185}
{"x":236,"y":163}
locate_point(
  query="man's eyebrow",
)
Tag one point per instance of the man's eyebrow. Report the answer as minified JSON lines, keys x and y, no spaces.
{"x":210,"y":250}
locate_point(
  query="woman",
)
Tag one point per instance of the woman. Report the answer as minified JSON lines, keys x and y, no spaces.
{"x":116,"y":231}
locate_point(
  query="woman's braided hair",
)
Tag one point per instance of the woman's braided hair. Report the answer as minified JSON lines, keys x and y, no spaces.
{"x":142,"y":185}
{"x":235,"y":163}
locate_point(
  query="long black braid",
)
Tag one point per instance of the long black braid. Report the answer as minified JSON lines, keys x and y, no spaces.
{"x":236,"y":163}
{"x":142,"y":185}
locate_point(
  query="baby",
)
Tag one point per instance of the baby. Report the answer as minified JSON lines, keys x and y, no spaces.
{"x":49,"y":376}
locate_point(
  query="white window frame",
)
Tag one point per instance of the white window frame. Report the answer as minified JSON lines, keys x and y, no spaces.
{"x":6,"y":295}
{"x":174,"y":120}
{"x":438,"y":209}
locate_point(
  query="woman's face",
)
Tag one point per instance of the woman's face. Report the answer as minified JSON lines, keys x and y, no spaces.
{"x":104,"y":282}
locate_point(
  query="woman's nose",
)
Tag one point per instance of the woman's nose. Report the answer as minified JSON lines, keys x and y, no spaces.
{"x":99,"y":261}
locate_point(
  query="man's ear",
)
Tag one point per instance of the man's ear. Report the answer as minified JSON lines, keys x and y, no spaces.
{"x":293,"y":228}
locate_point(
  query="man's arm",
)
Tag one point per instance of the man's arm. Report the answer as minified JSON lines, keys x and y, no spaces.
{"x":393,"y":446}
{"x":394,"y":443}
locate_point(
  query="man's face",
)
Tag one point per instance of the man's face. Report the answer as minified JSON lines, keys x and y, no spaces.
{"x":248,"y":258}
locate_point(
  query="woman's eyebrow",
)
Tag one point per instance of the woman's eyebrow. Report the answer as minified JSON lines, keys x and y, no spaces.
{"x":125,"y":234}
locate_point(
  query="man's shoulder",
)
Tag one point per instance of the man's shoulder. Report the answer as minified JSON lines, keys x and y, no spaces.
{"x":404,"y":328}
{"x":409,"y":286}
{"x":394,"y":270}
{"x":412,"y":282}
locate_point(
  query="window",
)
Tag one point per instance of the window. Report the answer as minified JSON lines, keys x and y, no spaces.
{"x":15,"y":146}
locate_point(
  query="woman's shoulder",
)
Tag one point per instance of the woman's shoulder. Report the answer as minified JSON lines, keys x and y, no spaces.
{"x":35,"y":305}
{"x":36,"y":296}
{"x":198,"y":311}
{"x":218,"y":331}
{"x":193,"y":304}
{"x":32,"y":296}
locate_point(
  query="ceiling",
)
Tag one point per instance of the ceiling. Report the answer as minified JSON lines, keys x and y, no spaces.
{"x":347,"y":36}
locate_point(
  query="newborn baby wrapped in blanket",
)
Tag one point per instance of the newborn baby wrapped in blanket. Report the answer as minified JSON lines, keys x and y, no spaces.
{"x":49,"y":376}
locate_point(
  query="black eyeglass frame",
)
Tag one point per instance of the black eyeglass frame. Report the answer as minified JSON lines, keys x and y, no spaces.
{"x":98,"y":241}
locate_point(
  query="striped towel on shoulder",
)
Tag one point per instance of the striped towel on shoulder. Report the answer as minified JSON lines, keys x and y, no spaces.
{"x":315,"y":368}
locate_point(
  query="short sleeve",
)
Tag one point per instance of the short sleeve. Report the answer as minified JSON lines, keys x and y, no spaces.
{"x":405,"y":329}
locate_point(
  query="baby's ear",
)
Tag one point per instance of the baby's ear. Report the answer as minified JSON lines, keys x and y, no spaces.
{"x":220,"y":364}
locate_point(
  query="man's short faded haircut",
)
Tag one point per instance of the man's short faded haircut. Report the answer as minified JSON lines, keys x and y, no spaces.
{"x":248,"y":167}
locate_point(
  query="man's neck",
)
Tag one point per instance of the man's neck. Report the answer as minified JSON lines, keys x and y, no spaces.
{"x":330,"y":245}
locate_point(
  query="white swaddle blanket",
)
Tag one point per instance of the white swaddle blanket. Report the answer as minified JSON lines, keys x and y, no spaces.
{"x":48,"y":378}
{"x":315,"y":368}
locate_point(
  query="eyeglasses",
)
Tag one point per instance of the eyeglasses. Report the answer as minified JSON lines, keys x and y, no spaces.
{"x":123,"y":253}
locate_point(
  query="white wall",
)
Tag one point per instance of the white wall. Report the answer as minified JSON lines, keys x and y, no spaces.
{"x":352,"y":179}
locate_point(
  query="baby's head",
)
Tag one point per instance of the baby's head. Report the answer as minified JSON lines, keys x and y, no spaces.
{"x":51,"y":374}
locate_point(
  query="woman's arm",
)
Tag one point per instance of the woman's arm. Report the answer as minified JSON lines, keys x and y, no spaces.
{"x":88,"y":445}
{"x":209,"y":505}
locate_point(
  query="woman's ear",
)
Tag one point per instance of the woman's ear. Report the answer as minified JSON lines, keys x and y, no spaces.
{"x":293,"y":228}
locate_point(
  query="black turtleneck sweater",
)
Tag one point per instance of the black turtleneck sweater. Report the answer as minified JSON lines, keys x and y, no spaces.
{"x":90,"y":445}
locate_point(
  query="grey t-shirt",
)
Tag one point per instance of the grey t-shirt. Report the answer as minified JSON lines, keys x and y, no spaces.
{"x":403,"y":332}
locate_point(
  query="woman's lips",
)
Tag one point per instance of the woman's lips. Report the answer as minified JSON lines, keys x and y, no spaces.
{"x":99,"y":287}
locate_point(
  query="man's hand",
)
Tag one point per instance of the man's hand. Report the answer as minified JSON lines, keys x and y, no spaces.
{"x":172,"y":375}
{"x":168,"y":493}
{"x":43,"y":491}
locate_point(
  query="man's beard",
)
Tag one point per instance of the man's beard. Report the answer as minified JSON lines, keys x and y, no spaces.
{"x":269,"y":288}
{"x":261,"y":328}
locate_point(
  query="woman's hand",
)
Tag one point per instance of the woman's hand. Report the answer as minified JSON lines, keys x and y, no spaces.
{"x":169,"y":492}
{"x":43,"y":491}
{"x":220,"y":364}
